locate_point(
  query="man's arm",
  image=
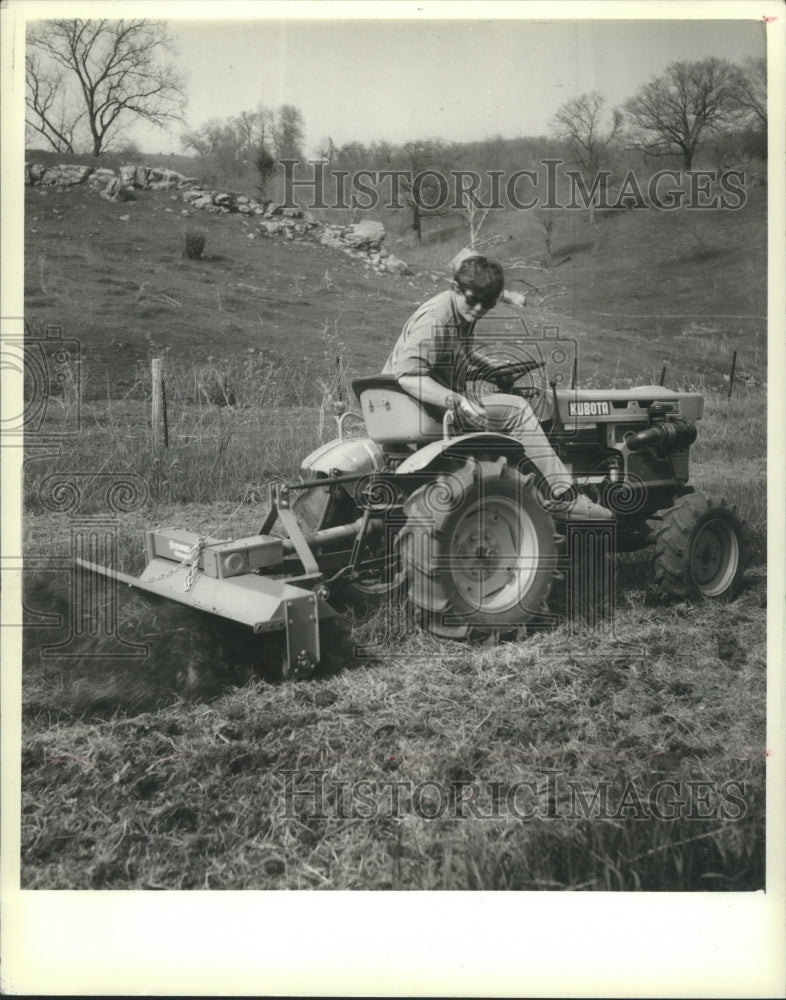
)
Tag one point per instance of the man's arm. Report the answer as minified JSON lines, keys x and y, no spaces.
{"x":429,"y":391}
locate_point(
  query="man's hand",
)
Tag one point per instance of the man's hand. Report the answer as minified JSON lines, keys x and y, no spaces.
{"x":471,"y":413}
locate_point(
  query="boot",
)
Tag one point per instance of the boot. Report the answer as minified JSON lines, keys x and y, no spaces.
{"x":577,"y":508}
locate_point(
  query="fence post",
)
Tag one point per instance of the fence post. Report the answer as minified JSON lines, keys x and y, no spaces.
{"x":158,"y":415}
{"x":731,"y":377}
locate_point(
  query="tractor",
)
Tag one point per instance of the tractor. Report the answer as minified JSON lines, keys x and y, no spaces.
{"x":456,"y":523}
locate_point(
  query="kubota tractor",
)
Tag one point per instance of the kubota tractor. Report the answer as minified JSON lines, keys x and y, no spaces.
{"x":456,"y":523}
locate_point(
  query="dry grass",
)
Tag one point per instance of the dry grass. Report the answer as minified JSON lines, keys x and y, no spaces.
{"x":137,"y":788}
{"x":171,"y":771}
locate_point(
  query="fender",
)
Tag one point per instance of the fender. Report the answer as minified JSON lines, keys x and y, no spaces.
{"x":464,"y":443}
{"x":350,"y":455}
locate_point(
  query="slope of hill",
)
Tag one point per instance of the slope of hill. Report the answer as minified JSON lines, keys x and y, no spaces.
{"x":639,"y":286}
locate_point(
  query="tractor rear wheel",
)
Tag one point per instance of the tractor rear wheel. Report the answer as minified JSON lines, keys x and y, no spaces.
{"x":699,"y":549}
{"x":479,"y":550}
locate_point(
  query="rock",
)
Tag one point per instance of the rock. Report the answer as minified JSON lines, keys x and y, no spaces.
{"x":395,"y":265}
{"x":272,"y":209}
{"x":329,"y":240}
{"x":66,"y":174}
{"x":244,"y":209}
{"x":514,"y":298}
{"x":191,"y":194}
{"x":36,"y":172}
{"x":292,"y":213}
{"x":368,"y":233}
{"x":161,"y":178}
{"x":127,"y":174}
{"x":140,"y":176}
{"x":273,"y":228}
{"x":203,"y":201}
{"x":112,"y":190}
{"x":242,"y":200}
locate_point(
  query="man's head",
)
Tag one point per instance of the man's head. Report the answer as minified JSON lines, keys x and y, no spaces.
{"x":478,"y":282}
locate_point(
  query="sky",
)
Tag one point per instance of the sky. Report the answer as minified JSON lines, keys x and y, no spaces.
{"x":456,"y":80}
{"x":460,"y":77}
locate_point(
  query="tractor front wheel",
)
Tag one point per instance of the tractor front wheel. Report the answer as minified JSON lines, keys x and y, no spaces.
{"x":699,"y":549}
{"x":479,"y":550}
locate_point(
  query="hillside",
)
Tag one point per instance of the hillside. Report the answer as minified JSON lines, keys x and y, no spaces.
{"x":638,"y":287}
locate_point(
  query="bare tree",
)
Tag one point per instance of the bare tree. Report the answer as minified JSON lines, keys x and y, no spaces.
{"x":753,"y":90}
{"x":424,"y":164}
{"x":109,"y":70}
{"x":475,"y":205}
{"x":253,"y":129}
{"x":326,"y":149}
{"x":208,"y":139}
{"x":580,"y":122}
{"x":48,"y":109}
{"x":288,"y":132}
{"x":671,"y":113}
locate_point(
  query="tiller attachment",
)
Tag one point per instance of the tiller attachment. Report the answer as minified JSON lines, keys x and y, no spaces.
{"x":222,"y":578}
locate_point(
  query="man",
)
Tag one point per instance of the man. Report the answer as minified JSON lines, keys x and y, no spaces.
{"x":434,"y":358}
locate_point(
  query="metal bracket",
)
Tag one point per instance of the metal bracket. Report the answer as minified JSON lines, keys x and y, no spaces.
{"x":302,"y":625}
{"x":288,"y":519}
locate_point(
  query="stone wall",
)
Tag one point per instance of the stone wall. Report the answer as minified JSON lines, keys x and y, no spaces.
{"x":362,"y":241}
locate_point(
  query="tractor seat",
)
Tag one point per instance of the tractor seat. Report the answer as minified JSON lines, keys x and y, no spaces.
{"x":392,"y":416}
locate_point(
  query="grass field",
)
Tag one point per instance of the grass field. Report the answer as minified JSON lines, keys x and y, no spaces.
{"x":190,"y":767}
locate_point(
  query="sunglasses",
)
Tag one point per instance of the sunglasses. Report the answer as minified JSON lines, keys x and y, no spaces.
{"x":484,"y":301}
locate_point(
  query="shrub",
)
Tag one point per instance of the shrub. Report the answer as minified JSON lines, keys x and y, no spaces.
{"x":217,"y":388}
{"x":195,"y":244}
